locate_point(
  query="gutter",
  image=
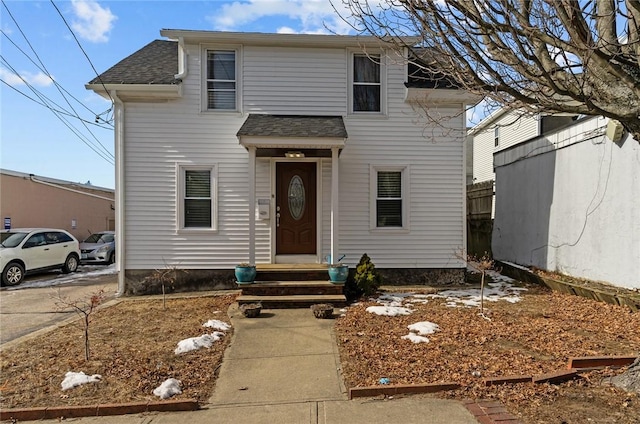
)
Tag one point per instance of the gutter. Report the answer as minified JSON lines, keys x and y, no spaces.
{"x":35,"y":180}
{"x":182,"y":60}
{"x":120,"y":227}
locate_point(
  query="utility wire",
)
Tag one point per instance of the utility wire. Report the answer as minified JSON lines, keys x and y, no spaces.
{"x":85,"y":53}
{"x":54,"y":81}
{"x":62,"y":112}
{"x":73,"y":129}
{"x":45,"y":70}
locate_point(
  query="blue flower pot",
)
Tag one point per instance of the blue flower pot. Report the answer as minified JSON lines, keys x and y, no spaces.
{"x":338,"y":273}
{"x":245,"y":274}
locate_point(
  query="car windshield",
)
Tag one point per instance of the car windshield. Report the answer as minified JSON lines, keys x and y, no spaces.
{"x":99,"y":238}
{"x":10,"y":239}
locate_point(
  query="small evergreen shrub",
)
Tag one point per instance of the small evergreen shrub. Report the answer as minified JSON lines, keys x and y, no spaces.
{"x":366,"y":277}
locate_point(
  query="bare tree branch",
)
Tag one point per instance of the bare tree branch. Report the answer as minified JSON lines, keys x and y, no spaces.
{"x":575,"y":56}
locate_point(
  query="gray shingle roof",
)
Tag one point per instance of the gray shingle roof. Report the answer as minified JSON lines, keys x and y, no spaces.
{"x":293,"y":126}
{"x":155,"y":63}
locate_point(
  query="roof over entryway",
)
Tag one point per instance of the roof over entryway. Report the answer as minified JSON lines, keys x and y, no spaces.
{"x":275,"y":135}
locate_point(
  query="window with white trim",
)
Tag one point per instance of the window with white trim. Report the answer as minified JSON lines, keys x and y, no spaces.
{"x":389,"y":197}
{"x":496,"y":136}
{"x":366,"y":83}
{"x":197,"y":200}
{"x":221,"y":80}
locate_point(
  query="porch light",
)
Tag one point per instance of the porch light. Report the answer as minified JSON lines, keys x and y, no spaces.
{"x":294,"y":155}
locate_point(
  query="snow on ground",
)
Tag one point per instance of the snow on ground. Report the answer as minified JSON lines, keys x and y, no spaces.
{"x":75,"y":379}
{"x":390,"y":311}
{"x":84,"y":271}
{"x":195,"y":343}
{"x":493,"y":292}
{"x":217,"y":325}
{"x":168,"y":388}
{"x":419,"y":330}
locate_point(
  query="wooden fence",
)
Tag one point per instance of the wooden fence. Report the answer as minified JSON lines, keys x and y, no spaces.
{"x":479,"y":220}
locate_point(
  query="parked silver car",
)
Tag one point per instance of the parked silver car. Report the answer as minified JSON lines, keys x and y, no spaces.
{"x":99,"y":248}
{"x":29,"y":250}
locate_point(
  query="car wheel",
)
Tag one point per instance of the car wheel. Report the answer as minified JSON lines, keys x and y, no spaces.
{"x":12,"y":274}
{"x":112,"y":258}
{"x":71,"y":264}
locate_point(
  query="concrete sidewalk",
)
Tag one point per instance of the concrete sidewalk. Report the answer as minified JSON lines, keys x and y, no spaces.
{"x":283,"y":367}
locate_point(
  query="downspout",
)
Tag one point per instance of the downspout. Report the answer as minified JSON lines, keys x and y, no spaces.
{"x":119,"y":200}
{"x":35,"y":180}
{"x":182,"y":60}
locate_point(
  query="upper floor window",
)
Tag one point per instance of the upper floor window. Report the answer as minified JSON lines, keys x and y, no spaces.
{"x":366,"y":84}
{"x":496,"y":136}
{"x":221,"y":79}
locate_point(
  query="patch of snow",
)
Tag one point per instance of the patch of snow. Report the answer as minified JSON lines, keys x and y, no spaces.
{"x":217,"y":325}
{"x":168,"y":388}
{"x":392,"y":299}
{"x":390,"y":311}
{"x":423,"y":328}
{"x":416,"y":338}
{"x":195,"y":343}
{"x":93,"y":271}
{"x":493,"y":292}
{"x":75,"y":379}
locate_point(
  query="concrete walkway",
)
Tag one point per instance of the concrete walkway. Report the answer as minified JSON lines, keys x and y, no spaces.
{"x":283,"y":367}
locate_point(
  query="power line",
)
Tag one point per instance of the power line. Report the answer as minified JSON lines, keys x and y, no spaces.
{"x":73,"y":129}
{"x":83,"y":51}
{"x":62,"y":112}
{"x":46,"y":71}
{"x":42,"y":70}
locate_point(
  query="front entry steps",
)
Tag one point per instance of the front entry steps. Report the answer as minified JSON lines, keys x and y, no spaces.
{"x":285,"y":286}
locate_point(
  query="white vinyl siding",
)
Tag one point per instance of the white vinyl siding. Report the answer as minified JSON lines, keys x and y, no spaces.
{"x":162,"y":137}
{"x":291,"y":80}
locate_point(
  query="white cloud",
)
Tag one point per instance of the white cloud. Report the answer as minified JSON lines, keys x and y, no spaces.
{"x":315,"y":16}
{"x":38,"y":80}
{"x":93,"y":22}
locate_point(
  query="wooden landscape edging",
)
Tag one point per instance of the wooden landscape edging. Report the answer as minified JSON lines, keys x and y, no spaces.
{"x":594,"y":362}
{"x":612,"y":297}
{"x":57,"y":412}
{"x":390,"y":390}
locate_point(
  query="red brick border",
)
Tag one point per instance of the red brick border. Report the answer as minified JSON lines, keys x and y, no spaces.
{"x":490,"y":412}
{"x":31,"y":414}
{"x":391,"y":390}
{"x":600,"y":361}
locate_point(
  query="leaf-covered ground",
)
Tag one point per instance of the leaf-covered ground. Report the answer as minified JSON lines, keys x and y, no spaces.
{"x":534,"y":336}
{"x":132,"y":348}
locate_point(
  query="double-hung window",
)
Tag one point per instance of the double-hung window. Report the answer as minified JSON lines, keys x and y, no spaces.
{"x":366,"y":83}
{"x":496,"y":136}
{"x":198,"y":198}
{"x":221,"y":80}
{"x":389,"y":197}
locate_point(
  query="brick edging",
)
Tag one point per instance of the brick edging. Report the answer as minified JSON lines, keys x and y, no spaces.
{"x":53,"y":412}
{"x":390,"y":390}
{"x":490,"y":412}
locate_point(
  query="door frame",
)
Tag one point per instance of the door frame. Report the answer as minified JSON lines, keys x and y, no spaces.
{"x":317,"y":258}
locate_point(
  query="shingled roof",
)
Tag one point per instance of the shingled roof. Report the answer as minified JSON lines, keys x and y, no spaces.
{"x":293,"y":126}
{"x":155,"y":63}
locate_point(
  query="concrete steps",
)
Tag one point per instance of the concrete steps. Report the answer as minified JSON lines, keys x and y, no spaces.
{"x":282,"y":286}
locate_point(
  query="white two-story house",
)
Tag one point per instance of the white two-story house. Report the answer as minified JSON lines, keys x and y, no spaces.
{"x":283,"y":148}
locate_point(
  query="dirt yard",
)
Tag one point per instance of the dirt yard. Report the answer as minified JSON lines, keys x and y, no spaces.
{"x":534,"y":336}
{"x":133,"y":344}
{"x":132,"y":348}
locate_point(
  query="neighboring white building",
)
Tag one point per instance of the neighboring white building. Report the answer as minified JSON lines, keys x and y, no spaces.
{"x":283,"y":148}
{"x":505,"y":128}
{"x":569,"y":201}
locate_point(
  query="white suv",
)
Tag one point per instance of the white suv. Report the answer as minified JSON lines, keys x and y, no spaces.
{"x":27,"y":250}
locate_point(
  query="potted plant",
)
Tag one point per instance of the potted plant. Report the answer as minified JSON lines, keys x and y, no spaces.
{"x":245,"y":273}
{"x":338,"y":273}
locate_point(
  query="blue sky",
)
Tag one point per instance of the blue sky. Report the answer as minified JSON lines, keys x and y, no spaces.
{"x":37,"y":48}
